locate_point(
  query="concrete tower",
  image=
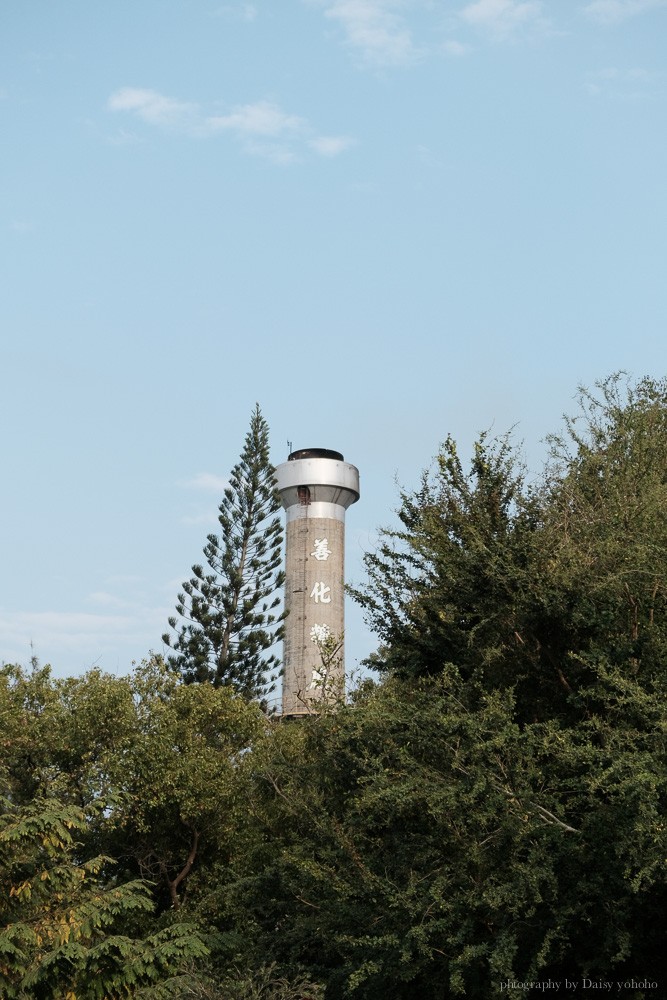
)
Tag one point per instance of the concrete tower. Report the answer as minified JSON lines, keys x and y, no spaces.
{"x":316,"y":486}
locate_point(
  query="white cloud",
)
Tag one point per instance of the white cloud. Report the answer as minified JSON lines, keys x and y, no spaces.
{"x":264,"y":118}
{"x":204,"y":482}
{"x":454,"y":48}
{"x":505,"y":18}
{"x":103,"y":599}
{"x":71,"y":631}
{"x":631,"y":84}
{"x":207,"y":481}
{"x":117,"y":623}
{"x":240,"y":11}
{"x":263,"y":128}
{"x":208,"y":518}
{"x":123,"y":138}
{"x":615,"y":11}
{"x":154,"y":108}
{"x":375,"y":28}
{"x":330,"y":145}
{"x":278,"y":153}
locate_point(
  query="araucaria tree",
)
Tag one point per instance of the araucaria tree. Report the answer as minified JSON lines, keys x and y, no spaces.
{"x":228,"y":616}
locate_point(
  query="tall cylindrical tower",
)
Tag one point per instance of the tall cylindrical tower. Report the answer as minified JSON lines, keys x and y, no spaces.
{"x":316,"y":486}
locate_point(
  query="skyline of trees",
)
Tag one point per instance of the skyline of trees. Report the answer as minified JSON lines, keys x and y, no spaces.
{"x":490,"y":808}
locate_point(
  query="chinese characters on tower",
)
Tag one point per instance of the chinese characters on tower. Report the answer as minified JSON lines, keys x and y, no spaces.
{"x":321,"y":551}
{"x":320,"y":594}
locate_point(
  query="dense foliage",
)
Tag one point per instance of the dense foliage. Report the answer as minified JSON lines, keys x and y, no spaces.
{"x":492,"y":809}
{"x":528,"y":587}
{"x":431,"y":846}
{"x":68,"y":926}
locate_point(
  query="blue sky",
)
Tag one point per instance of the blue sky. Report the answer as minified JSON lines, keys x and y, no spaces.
{"x":384,"y":221}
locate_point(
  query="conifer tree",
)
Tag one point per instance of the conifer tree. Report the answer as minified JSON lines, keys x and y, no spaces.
{"x":228,"y":615}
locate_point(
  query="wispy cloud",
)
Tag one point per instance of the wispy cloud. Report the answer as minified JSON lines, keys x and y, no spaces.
{"x":330,"y":145}
{"x":208,"y":518}
{"x":615,"y":11}
{"x":505,"y":19}
{"x":103,"y":599}
{"x":204,"y":512}
{"x":375,"y":28}
{"x":454,"y":48}
{"x":264,"y":118}
{"x":627,"y":85}
{"x":57,"y":633}
{"x":206,"y":481}
{"x":123,"y":137}
{"x":237,"y":11}
{"x":155,"y":108}
{"x":120,"y":622}
{"x":263,"y":127}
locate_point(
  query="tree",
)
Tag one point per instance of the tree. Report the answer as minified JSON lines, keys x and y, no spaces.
{"x":228,"y":613}
{"x":451,"y":584}
{"x":152,"y":761}
{"x":605,"y":525}
{"x":531,"y":587}
{"x":64,"y":918}
{"x":493,"y":809}
{"x":420,"y":842}
{"x":147,"y":770}
{"x":177,"y":777}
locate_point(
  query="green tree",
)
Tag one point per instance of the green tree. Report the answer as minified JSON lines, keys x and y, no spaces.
{"x":64,"y":917}
{"x":227,"y":616}
{"x":159,"y":756}
{"x":453,"y":583}
{"x":422,"y":843}
{"x":530,"y":587}
{"x":145,"y":769}
{"x":605,"y":527}
{"x":178,"y":778}
{"x":493,"y":809}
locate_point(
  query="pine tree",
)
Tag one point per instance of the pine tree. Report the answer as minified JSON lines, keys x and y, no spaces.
{"x":229,"y":614}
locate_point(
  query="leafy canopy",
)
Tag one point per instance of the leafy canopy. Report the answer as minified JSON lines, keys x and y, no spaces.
{"x":529,"y":585}
{"x":64,"y":917}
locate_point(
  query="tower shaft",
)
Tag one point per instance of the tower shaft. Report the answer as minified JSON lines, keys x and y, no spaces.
{"x":316,"y":487}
